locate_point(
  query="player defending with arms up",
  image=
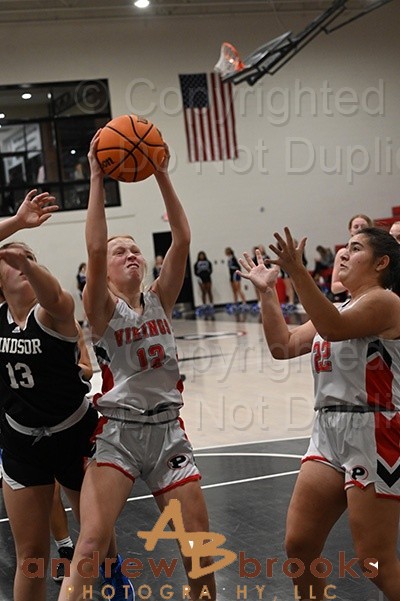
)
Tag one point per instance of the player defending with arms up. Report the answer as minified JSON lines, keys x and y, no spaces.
{"x":141,"y":434}
{"x":353,"y":457}
{"x":46,"y":421}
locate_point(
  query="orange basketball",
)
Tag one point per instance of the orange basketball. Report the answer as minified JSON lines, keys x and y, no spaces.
{"x":130,"y":148}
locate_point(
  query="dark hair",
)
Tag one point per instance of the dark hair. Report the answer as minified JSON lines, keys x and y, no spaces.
{"x":382,"y":243}
{"x":201,"y":252}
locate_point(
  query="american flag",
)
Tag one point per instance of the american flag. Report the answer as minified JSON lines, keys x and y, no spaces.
{"x":209,"y":117}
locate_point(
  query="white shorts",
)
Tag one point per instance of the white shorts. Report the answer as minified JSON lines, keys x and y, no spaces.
{"x":160,"y":454}
{"x":364,"y":447}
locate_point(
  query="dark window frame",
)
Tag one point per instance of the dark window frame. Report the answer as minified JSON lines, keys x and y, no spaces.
{"x":59,"y":122}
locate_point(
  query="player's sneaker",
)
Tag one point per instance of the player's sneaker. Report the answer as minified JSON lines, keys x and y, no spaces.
{"x":120,"y":587}
{"x":64,"y":553}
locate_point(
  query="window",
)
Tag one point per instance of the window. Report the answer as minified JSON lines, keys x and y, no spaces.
{"x":45,"y":131}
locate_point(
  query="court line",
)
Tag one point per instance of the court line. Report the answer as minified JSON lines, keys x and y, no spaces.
{"x":210,"y":335}
{"x":220,"y":484}
{"x":200,"y":357}
{"x":290,"y":455}
{"x":241,"y":444}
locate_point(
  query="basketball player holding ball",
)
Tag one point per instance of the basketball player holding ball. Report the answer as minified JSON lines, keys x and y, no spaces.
{"x":130,"y":148}
{"x":141,"y":432}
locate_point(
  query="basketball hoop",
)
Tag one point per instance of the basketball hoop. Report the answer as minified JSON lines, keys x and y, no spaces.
{"x":229,"y":60}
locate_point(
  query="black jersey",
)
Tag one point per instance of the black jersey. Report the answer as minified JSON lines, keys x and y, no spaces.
{"x":40,"y":381}
{"x":203,"y":269}
{"x":233,"y":265}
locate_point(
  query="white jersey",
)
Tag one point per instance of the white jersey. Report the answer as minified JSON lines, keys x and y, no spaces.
{"x":138,"y":359}
{"x":360,"y":371}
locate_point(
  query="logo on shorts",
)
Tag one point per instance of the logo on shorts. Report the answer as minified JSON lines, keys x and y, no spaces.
{"x":359,"y":473}
{"x":178,"y":462}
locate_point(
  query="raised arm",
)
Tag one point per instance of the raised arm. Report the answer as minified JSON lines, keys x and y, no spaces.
{"x":33,"y":211}
{"x":282,"y":342}
{"x":97,"y":299}
{"x":377,"y":312}
{"x":56,"y":305}
{"x":169,"y":283}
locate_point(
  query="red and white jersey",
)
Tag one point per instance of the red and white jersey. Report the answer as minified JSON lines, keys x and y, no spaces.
{"x":138,"y":359}
{"x":359,"y":371}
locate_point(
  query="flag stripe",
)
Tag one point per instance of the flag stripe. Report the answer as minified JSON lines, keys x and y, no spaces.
{"x":203,"y":140}
{"x":187,"y":117}
{"x":224,"y":118}
{"x":217,"y":121}
{"x":210,"y":137}
{"x":233,"y":120}
{"x":209,"y":117}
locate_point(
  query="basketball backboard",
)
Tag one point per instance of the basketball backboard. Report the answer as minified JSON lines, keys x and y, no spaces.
{"x":271,"y":57}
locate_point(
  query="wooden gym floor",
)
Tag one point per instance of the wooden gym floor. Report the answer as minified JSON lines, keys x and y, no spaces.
{"x":248,"y":417}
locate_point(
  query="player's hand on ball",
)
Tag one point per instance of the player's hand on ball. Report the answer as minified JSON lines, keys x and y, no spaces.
{"x":163,"y":167}
{"x":258,"y":274}
{"x":94,"y":165}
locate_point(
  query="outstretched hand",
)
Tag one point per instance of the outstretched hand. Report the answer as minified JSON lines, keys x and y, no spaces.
{"x":258,"y":274}
{"x":36,"y":209}
{"x":289,"y":253}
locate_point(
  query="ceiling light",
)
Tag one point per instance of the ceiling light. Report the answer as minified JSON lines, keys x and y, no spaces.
{"x":26,"y":96}
{"x":141,"y":3}
{"x":2,"y":115}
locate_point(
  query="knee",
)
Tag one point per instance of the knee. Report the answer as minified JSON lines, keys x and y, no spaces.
{"x":299,"y":544}
{"x":33,"y":552}
{"x":93,"y":546}
{"x":32,"y":560}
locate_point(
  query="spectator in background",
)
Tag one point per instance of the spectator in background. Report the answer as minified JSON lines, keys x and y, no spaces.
{"x":323,"y":259}
{"x":356,"y":223}
{"x":395,"y":231}
{"x":203,"y":271}
{"x":80,"y":284}
{"x":157,"y":266}
{"x":322,"y":273}
{"x":291,"y":297}
{"x":235,"y":278}
{"x":81,"y":278}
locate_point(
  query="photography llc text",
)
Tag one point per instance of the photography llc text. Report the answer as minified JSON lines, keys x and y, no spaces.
{"x":197,"y":545}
